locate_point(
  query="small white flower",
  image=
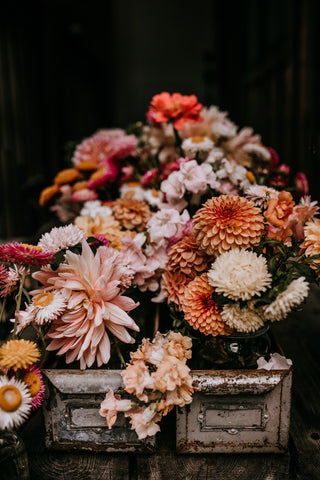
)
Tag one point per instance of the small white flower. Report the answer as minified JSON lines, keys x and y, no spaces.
{"x":258,"y":150}
{"x":92,"y":207}
{"x":259,"y":194}
{"x":61,"y":237}
{"x":15,"y":402}
{"x":48,"y":306}
{"x":132,"y":189}
{"x":292,"y":297}
{"x":197,"y":145}
{"x":247,"y":319}
{"x":240,"y":274}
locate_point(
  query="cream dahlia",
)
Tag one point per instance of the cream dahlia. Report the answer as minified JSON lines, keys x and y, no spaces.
{"x":227,"y":222}
{"x":61,"y":237}
{"x":199,"y":308}
{"x":15,"y":402}
{"x":246,"y":319}
{"x":240,"y":274}
{"x":286,"y":301}
{"x":92,"y":284}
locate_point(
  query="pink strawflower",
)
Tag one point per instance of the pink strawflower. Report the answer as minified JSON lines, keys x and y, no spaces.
{"x":97,"y":147}
{"x":10,"y":279}
{"x":107,"y":174}
{"x":84,"y":195}
{"x":25,"y":254}
{"x":149,"y":177}
{"x":92,"y":284}
{"x":33,"y":378}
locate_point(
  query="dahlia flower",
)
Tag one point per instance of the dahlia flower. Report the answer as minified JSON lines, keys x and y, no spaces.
{"x":311,"y":243}
{"x":61,"y":237}
{"x":132,"y":214}
{"x":240,"y":274}
{"x":199,"y":308}
{"x":287,"y":300}
{"x":246,"y":319}
{"x":176,"y":107}
{"x":18,"y":354}
{"x":15,"y":402}
{"x":92,"y":284}
{"x":186,"y":257}
{"x":173,"y":286}
{"x":227,"y":222}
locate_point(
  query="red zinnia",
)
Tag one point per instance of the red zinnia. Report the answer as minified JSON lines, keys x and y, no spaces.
{"x":25,"y":254}
{"x":179,"y":108}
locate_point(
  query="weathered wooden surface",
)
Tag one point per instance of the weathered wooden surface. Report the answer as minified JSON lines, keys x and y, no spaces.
{"x":299,"y":336}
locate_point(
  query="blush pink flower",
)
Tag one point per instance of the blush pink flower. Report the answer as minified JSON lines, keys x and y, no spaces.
{"x":84,"y":195}
{"x":92,"y":284}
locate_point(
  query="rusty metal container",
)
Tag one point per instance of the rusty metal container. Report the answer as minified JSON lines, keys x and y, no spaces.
{"x":236,"y":411}
{"x":71,"y":413}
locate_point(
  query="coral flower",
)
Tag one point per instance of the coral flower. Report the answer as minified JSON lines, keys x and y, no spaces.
{"x":227,"y":222}
{"x":17,"y":354}
{"x":186,"y":257}
{"x":92,"y":284}
{"x":67,"y":175}
{"x":173,"y":285}
{"x":199,"y":308}
{"x":176,"y":107}
{"x":25,"y":254}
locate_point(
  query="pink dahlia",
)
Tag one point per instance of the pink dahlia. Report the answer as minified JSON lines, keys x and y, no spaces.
{"x":25,"y":254}
{"x":92,"y":284}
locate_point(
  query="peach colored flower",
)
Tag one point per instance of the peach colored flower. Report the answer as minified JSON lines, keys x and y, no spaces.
{"x":173,"y":286}
{"x":144,"y":422}
{"x":92,"y":284}
{"x":199,"y":308}
{"x":279,"y":209}
{"x":186,"y":257}
{"x":131,"y":213}
{"x":137,"y":378}
{"x":48,"y":193}
{"x":67,"y":175}
{"x":171,"y":373}
{"x":176,"y":107}
{"x":226,"y":222}
{"x":108,"y":408}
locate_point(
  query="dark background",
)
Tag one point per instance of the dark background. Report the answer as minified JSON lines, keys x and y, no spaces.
{"x":70,"y":67}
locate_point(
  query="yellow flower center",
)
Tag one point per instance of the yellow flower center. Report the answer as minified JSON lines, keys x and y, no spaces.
{"x":155,"y":193}
{"x":197,"y":139}
{"x":33,"y":382}
{"x":32,"y":247}
{"x":10,"y":398}
{"x":174,"y":105}
{"x":44,"y":299}
{"x":250,"y":177}
{"x":133,"y":184}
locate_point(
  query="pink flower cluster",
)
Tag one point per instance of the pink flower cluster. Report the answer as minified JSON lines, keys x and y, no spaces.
{"x":156,"y":379}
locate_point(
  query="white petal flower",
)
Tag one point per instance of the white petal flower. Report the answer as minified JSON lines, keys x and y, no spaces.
{"x":91,"y":208}
{"x":258,"y":194}
{"x":240,"y":274}
{"x":258,"y":150}
{"x":15,"y":402}
{"x":292,"y":297}
{"x":61,"y":237}
{"x":197,"y":145}
{"x":48,"y":306}
{"x":247,"y":319}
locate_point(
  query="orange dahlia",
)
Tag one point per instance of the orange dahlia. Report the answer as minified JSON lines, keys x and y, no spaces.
{"x":199,"y":308}
{"x":186,"y":257}
{"x":131,"y":213}
{"x":226,"y":222}
{"x":174,"y":284}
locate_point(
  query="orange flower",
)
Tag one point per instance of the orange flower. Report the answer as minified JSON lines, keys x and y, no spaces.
{"x":131,"y":213}
{"x":186,"y":257}
{"x":226,"y":222}
{"x":176,"y":107}
{"x":67,"y":175}
{"x":80,"y":185}
{"x":199,"y":308}
{"x":47,"y":194}
{"x":279,"y":209}
{"x":87,"y":166}
{"x":174,"y":284}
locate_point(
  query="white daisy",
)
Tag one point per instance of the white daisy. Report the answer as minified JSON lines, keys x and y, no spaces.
{"x":153,"y":197}
{"x":197,"y":145}
{"x":247,"y":319}
{"x":133,"y":190}
{"x":240,"y":274}
{"x":292,"y":297}
{"x":61,"y":237}
{"x":15,"y":402}
{"x":47,"y":306}
{"x":92,"y":207}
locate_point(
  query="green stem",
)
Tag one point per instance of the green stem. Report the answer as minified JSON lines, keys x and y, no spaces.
{"x":2,"y":308}
{"x":25,"y":292}
{"x":122,"y":361}
{"x":18,"y":301}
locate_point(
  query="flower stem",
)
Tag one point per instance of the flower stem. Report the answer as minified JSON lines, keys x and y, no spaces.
{"x":18,"y":302}
{"x":122,"y":361}
{"x":3,"y":306}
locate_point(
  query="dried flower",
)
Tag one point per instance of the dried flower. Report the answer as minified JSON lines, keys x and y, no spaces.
{"x":67,"y":175}
{"x":34,"y":381}
{"x":227,"y":222}
{"x":24,"y":254}
{"x":18,"y":354}
{"x":15,"y":402}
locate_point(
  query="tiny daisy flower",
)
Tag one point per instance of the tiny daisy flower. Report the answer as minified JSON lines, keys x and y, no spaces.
{"x":15,"y":402}
{"x":258,"y":150}
{"x":61,"y":237}
{"x":197,"y":146}
{"x":291,"y":298}
{"x":17,"y":354}
{"x":240,"y":274}
{"x":25,"y":254}
{"x":247,"y":319}
{"x":34,"y":381}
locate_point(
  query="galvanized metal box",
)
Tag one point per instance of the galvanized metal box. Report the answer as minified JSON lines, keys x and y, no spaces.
{"x":236,"y":411}
{"x":71,"y":413}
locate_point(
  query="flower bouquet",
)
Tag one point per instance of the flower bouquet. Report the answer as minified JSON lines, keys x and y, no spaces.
{"x":186,"y":211}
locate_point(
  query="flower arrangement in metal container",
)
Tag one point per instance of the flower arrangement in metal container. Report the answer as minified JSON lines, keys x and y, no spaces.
{"x":189,"y":211}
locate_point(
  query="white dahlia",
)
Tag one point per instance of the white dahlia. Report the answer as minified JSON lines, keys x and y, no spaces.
{"x":247,"y":319}
{"x":15,"y":402}
{"x":292,"y":297}
{"x":240,"y":274}
{"x":61,"y":237}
